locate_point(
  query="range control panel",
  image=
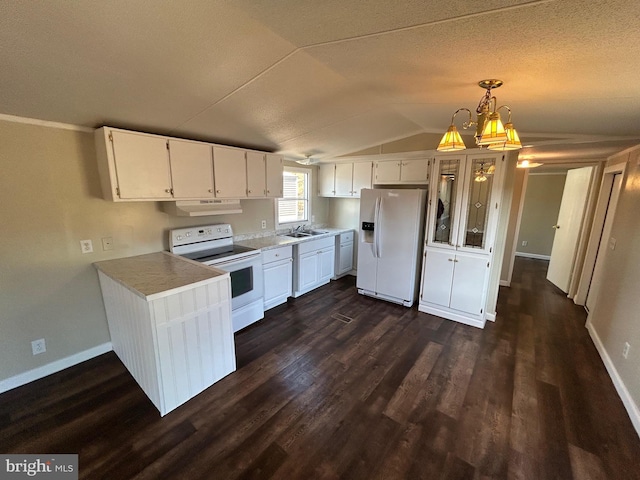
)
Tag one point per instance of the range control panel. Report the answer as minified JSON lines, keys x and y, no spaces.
{"x":204,"y":233}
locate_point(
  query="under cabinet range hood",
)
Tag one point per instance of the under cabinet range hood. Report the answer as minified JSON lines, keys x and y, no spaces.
{"x":201,"y":208}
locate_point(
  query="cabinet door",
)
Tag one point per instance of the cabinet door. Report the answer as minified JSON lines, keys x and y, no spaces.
{"x":444,"y":201}
{"x":344,"y":179}
{"x":230,"y":172}
{"x":326,"y":264}
{"x":437,"y":276}
{"x":362,"y":172}
{"x":191,"y":169}
{"x":326,"y":180}
{"x":387,"y":171}
{"x":414,"y":171}
{"x":469,"y":283}
{"x":274,"y":175}
{"x":277,"y":282}
{"x":476,"y":229}
{"x":345,"y":262}
{"x":308,"y":270}
{"x":142,"y":166}
{"x":256,"y":175}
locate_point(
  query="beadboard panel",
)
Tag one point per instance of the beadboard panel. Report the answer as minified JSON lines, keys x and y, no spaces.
{"x":131,"y":335}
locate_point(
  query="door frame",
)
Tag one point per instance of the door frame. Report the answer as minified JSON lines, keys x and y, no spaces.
{"x":602,"y":209}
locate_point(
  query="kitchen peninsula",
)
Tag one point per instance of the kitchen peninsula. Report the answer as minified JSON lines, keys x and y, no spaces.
{"x":168,"y":317}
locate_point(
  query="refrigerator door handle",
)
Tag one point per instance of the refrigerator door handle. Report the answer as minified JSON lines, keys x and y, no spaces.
{"x":379,"y":221}
{"x":376,"y":227}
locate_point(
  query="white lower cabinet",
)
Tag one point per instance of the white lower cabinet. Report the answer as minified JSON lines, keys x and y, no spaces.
{"x":454,"y":285}
{"x":277,"y":265}
{"x":314,"y":263}
{"x":344,"y":254}
{"x":174,"y":345}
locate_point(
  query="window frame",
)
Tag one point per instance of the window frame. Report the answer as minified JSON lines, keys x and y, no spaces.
{"x":308,"y":197}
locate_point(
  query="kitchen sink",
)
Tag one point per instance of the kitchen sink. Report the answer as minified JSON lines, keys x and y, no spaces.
{"x":298,"y":234}
{"x":306,"y":233}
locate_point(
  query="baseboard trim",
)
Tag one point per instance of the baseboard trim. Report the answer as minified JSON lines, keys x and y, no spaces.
{"x":533,"y":255}
{"x":625,"y":396}
{"x":505,"y":283}
{"x":491,"y":317}
{"x":53,"y":367}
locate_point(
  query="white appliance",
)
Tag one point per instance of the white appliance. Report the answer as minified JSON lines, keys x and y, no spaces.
{"x":213,"y":245}
{"x":390,"y":247}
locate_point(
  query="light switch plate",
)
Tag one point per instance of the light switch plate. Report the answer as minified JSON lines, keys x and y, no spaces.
{"x":86,"y":246}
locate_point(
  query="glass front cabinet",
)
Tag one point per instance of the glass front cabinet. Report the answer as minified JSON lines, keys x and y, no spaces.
{"x":464,"y":202}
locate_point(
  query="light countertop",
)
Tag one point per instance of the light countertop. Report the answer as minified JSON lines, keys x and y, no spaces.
{"x":275,"y":241}
{"x":157,"y":273}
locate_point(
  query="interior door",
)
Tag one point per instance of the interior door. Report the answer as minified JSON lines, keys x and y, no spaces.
{"x":568,"y":227}
{"x":592,"y":294}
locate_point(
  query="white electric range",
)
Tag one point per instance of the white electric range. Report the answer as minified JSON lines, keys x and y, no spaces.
{"x":213,"y":245}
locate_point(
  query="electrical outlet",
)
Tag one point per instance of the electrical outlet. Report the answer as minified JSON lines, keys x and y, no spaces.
{"x":86,"y":246}
{"x":38,"y":346}
{"x":263,"y":224}
{"x":525,"y":243}
{"x":625,"y":349}
{"x":107,"y":243}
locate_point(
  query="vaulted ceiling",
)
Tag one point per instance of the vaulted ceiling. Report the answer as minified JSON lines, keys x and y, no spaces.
{"x":326,"y":78}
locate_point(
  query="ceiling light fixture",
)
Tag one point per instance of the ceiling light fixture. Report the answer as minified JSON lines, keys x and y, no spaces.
{"x":525,"y":163}
{"x":490,"y":131}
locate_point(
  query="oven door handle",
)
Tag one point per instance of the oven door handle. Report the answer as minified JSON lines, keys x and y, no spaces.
{"x":236,"y":261}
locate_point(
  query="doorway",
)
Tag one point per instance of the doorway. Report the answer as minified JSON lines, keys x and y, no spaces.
{"x":600,"y":240}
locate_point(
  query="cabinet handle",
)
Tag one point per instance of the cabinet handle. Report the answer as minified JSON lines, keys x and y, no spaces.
{"x":277,"y":255}
{"x":248,"y":191}
{"x":211,"y":190}
{"x":455,"y":261}
{"x":217,"y":191}
{"x":169,"y":190}
{"x":450,"y":259}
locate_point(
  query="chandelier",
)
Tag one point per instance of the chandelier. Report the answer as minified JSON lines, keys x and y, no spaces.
{"x":490,"y":132}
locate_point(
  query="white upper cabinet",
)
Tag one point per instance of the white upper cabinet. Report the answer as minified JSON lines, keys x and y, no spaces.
{"x":264,"y":175}
{"x":362,"y":177}
{"x":141,"y":166}
{"x":256,"y":175}
{"x":230,"y":172}
{"x":133,"y":166}
{"x":274,"y":167}
{"x":415,"y":171}
{"x":344,"y":179}
{"x":191,"y":169}
{"x":326,"y":180}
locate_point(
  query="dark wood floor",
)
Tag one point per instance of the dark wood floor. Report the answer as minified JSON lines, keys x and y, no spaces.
{"x":394,"y":394}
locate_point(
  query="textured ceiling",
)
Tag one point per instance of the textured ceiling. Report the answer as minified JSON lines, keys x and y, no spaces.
{"x":326,"y":78}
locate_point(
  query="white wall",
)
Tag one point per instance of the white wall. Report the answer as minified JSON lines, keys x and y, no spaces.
{"x":540,"y":213}
{"x":50,"y":200}
{"x":616,"y":318}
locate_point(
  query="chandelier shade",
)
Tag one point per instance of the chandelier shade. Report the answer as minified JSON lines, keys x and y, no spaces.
{"x":451,"y":140}
{"x":493,"y":131}
{"x":513,"y":140}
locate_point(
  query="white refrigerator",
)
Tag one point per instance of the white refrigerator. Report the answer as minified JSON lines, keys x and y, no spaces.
{"x":390,"y":243}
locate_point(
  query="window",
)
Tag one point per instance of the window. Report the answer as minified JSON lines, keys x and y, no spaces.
{"x":294,"y":206}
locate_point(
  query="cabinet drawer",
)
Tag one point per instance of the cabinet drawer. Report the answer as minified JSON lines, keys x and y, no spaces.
{"x":346,"y":237}
{"x":275,"y":254}
{"x":313,"y":245}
